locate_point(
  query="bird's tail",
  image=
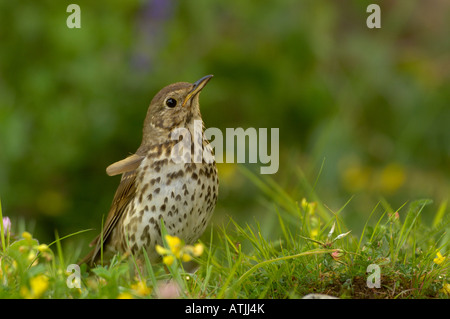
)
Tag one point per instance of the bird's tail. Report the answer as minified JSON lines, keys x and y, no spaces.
{"x":92,"y":256}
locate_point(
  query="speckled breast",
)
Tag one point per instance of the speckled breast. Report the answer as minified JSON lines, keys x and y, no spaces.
{"x":183,"y":195}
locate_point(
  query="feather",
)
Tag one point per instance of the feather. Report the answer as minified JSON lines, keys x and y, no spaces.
{"x":126,"y":165}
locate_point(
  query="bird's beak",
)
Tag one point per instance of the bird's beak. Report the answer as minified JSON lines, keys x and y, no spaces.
{"x":198,"y":86}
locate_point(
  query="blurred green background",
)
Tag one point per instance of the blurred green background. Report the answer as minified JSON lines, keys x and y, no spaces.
{"x":371,"y":104}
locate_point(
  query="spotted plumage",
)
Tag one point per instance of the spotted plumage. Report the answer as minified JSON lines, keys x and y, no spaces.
{"x":169,"y":179}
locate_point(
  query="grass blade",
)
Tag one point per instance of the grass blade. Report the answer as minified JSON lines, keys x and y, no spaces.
{"x":2,"y":230}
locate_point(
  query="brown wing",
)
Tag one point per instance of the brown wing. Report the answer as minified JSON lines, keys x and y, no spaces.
{"x":123,"y":196}
{"x":126,"y":165}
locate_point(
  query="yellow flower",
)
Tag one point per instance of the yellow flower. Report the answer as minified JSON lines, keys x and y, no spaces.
{"x":168,"y":260}
{"x":189,"y":251}
{"x":186,"y":257}
{"x":198,"y":249}
{"x":125,"y":295}
{"x":42,"y":248}
{"x":161,"y":250}
{"x":38,"y":284}
{"x":314,"y":233}
{"x":31,"y":256}
{"x":174,"y":244}
{"x":309,"y":207}
{"x":392,"y":178}
{"x":446,"y":289}
{"x":26,"y":235}
{"x":439,"y":259}
{"x":141,"y":288}
{"x":304,"y":203}
{"x":177,"y":250}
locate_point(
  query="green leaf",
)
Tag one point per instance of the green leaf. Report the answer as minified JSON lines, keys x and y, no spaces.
{"x":102,"y":272}
{"x":22,"y":242}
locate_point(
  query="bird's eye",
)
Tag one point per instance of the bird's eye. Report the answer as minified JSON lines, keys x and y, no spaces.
{"x":170,"y":102}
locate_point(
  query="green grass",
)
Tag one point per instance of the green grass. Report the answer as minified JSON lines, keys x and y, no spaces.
{"x":313,"y":251}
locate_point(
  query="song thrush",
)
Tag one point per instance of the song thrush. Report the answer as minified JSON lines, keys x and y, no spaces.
{"x":163,"y":180}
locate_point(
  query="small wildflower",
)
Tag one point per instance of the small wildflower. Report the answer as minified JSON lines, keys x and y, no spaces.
{"x":337,"y":254}
{"x":6,"y":225}
{"x":177,"y":250}
{"x":125,"y":295}
{"x":310,"y":207}
{"x":198,"y":249}
{"x":174,"y":244}
{"x":27,"y":236}
{"x":304,"y":203}
{"x":168,"y":260}
{"x":161,"y":250}
{"x":31,"y":256}
{"x":141,"y":289}
{"x":189,"y":251}
{"x":439,"y":259}
{"x":38,"y":285}
{"x":396,"y":216}
{"x":314,"y":233}
{"x":186,"y":257}
{"x":42,"y":248}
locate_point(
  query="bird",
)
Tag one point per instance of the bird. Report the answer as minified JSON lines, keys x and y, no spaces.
{"x":171,"y":178}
